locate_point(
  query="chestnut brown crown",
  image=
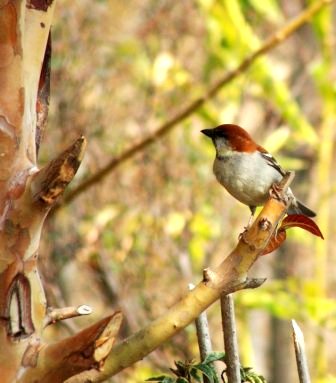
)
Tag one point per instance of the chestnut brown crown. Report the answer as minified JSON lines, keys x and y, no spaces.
{"x":236,"y":136}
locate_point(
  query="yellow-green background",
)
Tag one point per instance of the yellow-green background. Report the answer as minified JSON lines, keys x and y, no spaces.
{"x":122,"y":68}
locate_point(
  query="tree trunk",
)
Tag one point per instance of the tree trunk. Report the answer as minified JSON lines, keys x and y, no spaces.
{"x":26,"y":196}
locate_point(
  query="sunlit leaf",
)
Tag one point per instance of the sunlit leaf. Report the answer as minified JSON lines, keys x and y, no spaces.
{"x":163,"y":63}
{"x":175,"y":224}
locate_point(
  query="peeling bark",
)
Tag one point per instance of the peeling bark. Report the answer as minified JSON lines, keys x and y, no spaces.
{"x":18,"y":309}
{"x":86,"y":350}
{"x":26,"y":196}
{"x":50,"y":182}
{"x":42,"y":104}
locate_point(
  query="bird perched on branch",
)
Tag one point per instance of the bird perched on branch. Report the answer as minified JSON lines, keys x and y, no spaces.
{"x":247,"y":170}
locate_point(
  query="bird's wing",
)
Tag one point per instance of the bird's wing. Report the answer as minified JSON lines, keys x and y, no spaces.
{"x":271,"y":160}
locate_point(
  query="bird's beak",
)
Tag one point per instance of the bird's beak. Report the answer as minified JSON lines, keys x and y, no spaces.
{"x":208,"y":132}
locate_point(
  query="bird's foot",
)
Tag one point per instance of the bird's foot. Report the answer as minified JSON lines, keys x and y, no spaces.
{"x":242,"y":234}
{"x":276,"y":191}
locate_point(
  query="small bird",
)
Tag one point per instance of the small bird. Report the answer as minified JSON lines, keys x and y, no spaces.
{"x":247,"y":170}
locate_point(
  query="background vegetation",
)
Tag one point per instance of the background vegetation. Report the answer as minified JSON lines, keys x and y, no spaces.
{"x":136,"y":238}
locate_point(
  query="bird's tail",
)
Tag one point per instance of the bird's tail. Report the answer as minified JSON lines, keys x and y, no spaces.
{"x":298,"y":207}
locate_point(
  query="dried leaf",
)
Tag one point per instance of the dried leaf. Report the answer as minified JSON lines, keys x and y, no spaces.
{"x":276,"y":240}
{"x":292,"y":220}
{"x":305,"y":223}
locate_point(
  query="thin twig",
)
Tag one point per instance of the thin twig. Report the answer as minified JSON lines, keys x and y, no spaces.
{"x":203,"y":336}
{"x":300,"y":353}
{"x":273,"y":41}
{"x":58,"y":314}
{"x":230,"y":339}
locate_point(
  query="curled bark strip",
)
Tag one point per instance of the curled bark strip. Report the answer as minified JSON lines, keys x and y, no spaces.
{"x":30,"y":356}
{"x":50,"y":182}
{"x":42,"y":104}
{"x":18,"y":309}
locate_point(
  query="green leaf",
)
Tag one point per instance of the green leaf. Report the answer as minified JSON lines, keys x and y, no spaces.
{"x":181,"y":380}
{"x":206,"y":370}
{"x":248,"y":375}
{"x":194,"y":374}
{"x":213,"y":356}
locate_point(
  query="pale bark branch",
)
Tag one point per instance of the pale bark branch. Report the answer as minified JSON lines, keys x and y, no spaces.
{"x":227,"y":277}
{"x":203,"y":336}
{"x":22,"y":302}
{"x":26,"y":194}
{"x":230,"y":339}
{"x":300,"y":353}
{"x":272,"y":42}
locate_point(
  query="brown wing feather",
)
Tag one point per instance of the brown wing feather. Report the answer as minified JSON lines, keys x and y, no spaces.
{"x":271,"y":160}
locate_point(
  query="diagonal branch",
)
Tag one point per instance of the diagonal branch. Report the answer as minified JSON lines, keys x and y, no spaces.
{"x":273,"y":41}
{"x":227,"y":277}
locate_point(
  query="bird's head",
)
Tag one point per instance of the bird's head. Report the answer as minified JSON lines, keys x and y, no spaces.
{"x":228,"y":138}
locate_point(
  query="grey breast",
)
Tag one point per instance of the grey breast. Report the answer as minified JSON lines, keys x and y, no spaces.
{"x":239,"y":173}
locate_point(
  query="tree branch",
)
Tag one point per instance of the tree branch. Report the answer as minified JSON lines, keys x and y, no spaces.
{"x":230,"y":339}
{"x":227,"y":277}
{"x":58,"y":314}
{"x":300,"y":353}
{"x":273,"y":41}
{"x":58,"y":361}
